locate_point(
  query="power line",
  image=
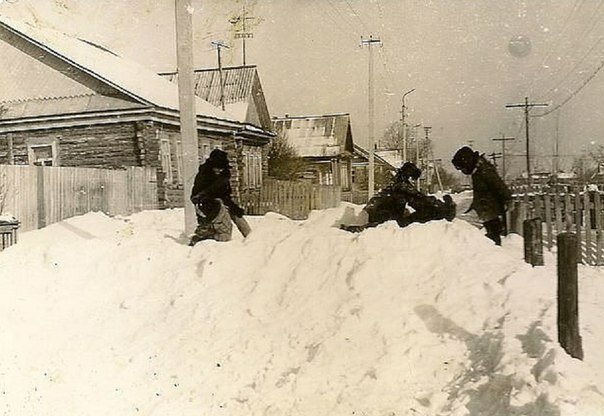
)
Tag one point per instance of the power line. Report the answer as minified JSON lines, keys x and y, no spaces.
{"x":570,"y":97}
{"x":336,"y":23}
{"x":341,"y":15}
{"x":357,"y":15}
{"x":572,"y":71}
{"x":565,"y":26}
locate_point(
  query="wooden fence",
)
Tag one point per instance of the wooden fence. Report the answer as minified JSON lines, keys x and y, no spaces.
{"x":292,"y":199}
{"x":578,"y":211}
{"x":39,"y":196}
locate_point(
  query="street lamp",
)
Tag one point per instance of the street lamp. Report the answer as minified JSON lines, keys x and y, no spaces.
{"x":404,"y":129}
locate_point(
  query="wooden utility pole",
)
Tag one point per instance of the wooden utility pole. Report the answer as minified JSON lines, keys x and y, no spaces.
{"x":557,"y":147}
{"x":219,"y":45}
{"x":243,"y":34}
{"x":186,"y":103}
{"x":369,"y":43}
{"x":526,"y":106}
{"x":427,"y":130}
{"x":503,"y":139}
{"x":403,"y":111}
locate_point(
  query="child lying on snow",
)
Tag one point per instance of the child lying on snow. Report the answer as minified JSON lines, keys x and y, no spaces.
{"x":391,"y":203}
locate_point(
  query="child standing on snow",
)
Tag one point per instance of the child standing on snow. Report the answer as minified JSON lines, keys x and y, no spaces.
{"x":491,"y":196}
{"x":211,"y":195}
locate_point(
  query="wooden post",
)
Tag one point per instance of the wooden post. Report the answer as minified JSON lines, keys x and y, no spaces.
{"x":587,"y":216}
{"x":598,"y":219}
{"x":548,"y":221}
{"x":568,"y":296}
{"x":533,"y":241}
{"x":558,"y":213}
{"x":578,"y":221}
{"x":41,"y":198}
{"x":568,"y":215}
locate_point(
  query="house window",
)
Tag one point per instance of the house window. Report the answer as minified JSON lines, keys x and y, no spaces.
{"x":344,"y":176}
{"x":42,"y":154}
{"x":179,"y":162}
{"x":246,"y":166}
{"x":252,"y":167}
{"x":166,"y":161}
{"x":258,"y":165}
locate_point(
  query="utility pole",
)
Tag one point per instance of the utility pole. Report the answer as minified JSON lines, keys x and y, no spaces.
{"x":369,"y":43}
{"x":494,"y":156}
{"x":503,"y":139}
{"x":526,"y":106}
{"x":186,"y":104}
{"x":557,"y":147}
{"x":404,"y":125}
{"x":243,"y":34}
{"x":219,"y":45}
{"x":425,"y":158}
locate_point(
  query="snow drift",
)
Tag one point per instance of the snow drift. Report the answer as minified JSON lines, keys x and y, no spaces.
{"x":116,"y":316}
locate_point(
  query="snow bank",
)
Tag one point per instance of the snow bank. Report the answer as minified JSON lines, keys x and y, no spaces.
{"x":116,"y":316}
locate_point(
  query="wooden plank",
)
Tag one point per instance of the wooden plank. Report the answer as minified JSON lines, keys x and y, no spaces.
{"x":558,"y":213}
{"x":548,"y":221}
{"x":588,"y":237}
{"x":578,"y":224}
{"x":598,"y":224}
{"x":568,"y":212}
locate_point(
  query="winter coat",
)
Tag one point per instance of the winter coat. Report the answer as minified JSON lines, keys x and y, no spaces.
{"x":209,"y":185}
{"x":491,"y":194}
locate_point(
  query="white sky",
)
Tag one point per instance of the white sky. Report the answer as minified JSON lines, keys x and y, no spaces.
{"x":454,"y":53}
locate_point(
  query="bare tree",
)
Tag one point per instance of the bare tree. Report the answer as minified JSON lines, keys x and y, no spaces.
{"x":283,"y":161}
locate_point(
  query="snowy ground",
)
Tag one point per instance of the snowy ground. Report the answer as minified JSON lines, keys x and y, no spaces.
{"x":115,"y":316}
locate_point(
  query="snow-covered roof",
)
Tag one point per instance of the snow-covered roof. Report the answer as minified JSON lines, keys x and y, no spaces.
{"x":123,"y":74}
{"x":393,"y":157}
{"x":316,"y":136}
{"x":361,"y":151}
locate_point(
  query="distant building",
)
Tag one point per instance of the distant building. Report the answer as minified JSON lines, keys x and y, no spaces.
{"x":325,"y":142}
{"x":384,"y":169}
{"x":68,"y":102}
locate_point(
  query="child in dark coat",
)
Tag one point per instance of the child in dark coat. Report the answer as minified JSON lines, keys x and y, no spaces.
{"x":211,"y":195}
{"x":391,"y":203}
{"x":491,"y":196}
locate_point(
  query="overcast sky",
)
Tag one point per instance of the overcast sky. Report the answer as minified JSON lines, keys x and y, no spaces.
{"x":454,"y":53}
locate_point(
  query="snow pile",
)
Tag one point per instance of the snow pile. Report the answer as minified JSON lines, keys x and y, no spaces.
{"x":116,"y":316}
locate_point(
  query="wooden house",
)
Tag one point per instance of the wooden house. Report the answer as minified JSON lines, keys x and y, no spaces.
{"x":384,"y":168}
{"x":325,"y":142}
{"x":66,"y":101}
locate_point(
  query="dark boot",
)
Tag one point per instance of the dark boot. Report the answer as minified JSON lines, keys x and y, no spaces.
{"x":494,"y":228}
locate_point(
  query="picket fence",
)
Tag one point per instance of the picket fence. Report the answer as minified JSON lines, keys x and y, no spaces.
{"x":292,"y":199}
{"x":579,"y":211}
{"x":39,"y":196}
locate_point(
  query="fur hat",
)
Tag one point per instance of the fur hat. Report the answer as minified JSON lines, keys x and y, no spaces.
{"x":218,"y":159}
{"x":465,"y":159}
{"x":408,"y":170}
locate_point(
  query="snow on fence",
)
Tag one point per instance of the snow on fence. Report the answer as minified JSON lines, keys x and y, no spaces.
{"x":39,"y":196}
{"x":578,"y":211}
{"x":292,"y":199}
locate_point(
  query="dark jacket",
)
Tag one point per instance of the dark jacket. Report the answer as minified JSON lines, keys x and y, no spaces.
{"x":210,"y":185}
{"x":491,"y":194}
